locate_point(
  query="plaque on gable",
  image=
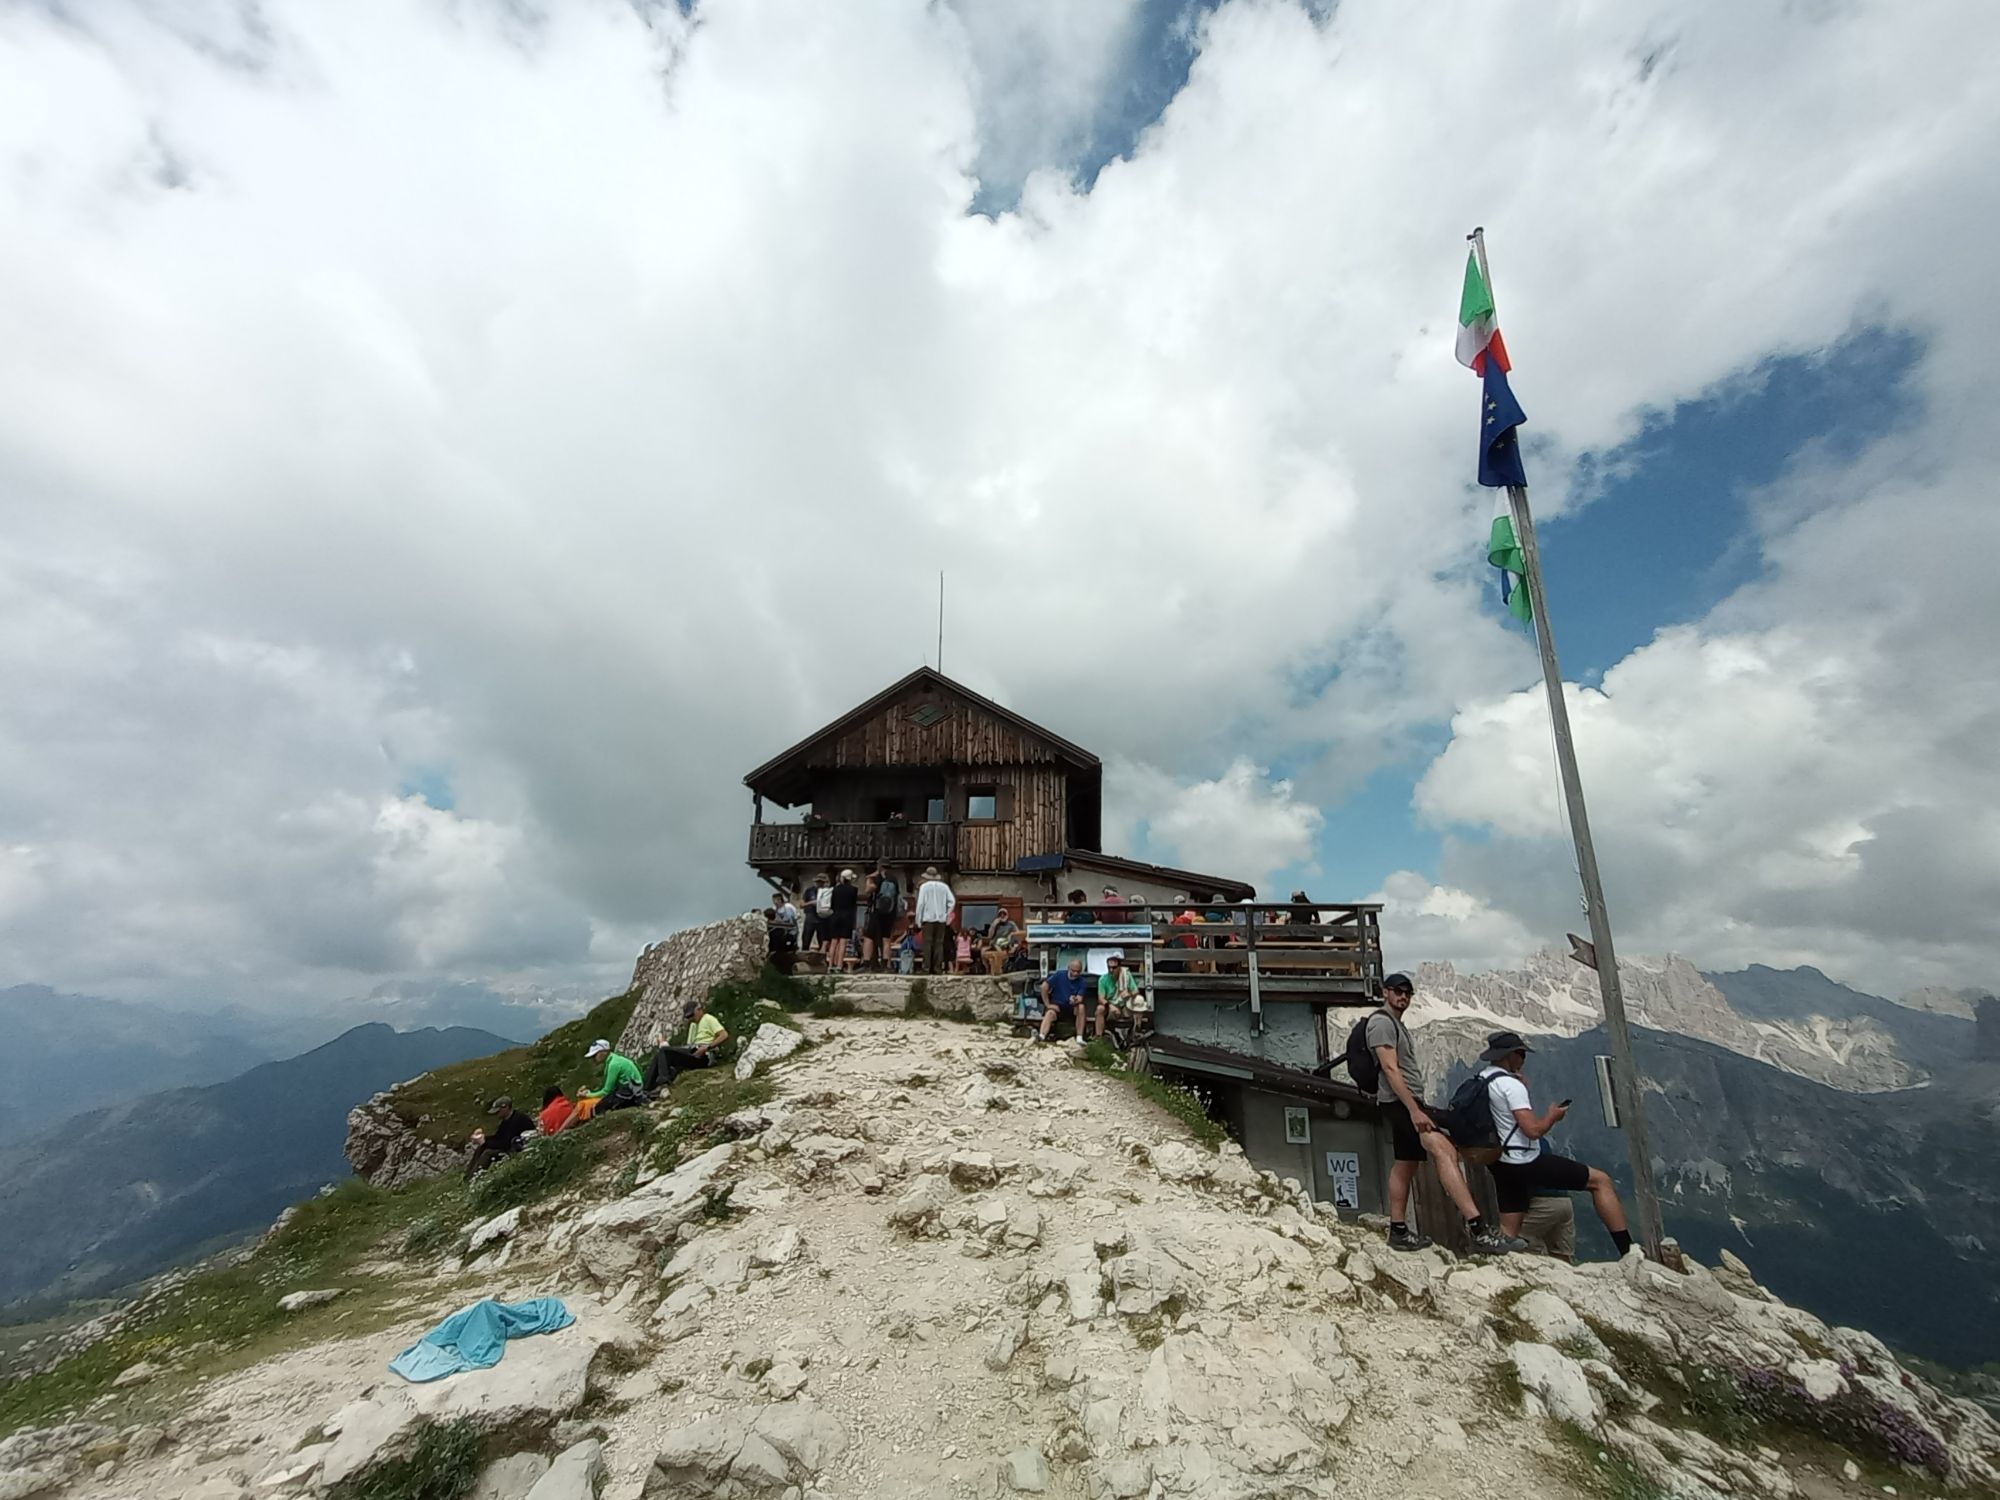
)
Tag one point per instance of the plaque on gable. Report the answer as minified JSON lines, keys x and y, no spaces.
{"x":928,"y":715}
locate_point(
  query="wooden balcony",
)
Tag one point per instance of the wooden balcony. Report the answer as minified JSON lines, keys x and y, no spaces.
{"x":854,"y":845}
{"x":1259,"y":951}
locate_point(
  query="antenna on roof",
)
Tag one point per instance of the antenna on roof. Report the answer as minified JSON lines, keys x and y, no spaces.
{"x":940,"y":655}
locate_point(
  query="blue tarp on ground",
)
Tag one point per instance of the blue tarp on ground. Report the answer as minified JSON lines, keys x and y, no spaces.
{"x":474,"y":1338}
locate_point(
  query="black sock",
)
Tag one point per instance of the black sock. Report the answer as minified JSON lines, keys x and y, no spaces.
{"x":1622,"y":1240}
{"x":1397,"y":1226}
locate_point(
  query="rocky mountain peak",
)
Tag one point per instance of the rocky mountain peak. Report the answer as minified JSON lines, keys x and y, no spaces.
{"x":934,"y":1262}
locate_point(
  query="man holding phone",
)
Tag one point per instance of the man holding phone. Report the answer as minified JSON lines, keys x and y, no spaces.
{"x":1526,"y":1166}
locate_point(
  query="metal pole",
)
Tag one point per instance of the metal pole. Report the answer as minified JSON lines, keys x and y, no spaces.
{"x":940,"y":655}
{"x":1625,"y":1080}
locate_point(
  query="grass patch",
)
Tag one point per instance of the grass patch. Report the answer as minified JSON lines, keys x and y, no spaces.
{"x":448,"y":1104}
{"x":1601,"y":1471}
{"x":1189,"y":1106}
{"x":233,"y":1310}
{"x":444,"y":1466}
{"x":702,"y":1099}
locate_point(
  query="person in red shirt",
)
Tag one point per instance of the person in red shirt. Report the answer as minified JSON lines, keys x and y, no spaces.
{"x":556,"y":1109}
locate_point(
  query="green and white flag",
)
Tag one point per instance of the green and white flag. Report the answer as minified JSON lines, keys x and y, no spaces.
{"x":1503,"y":550}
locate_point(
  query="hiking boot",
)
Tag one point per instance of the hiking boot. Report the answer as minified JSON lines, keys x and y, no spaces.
{"x":1496,"y":1242}
{"x":1407,"y":1238}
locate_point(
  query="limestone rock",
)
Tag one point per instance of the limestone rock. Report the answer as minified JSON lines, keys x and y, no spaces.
{"x":1005,"y":1343}
{"x":771,"y":1042}
{"x":385,"y":1150}
{"x":492,"y":1231}
{"x":299,"y":1301}
{"x":1025,"y":1471}
{"x":920,"y":1209}
{"x":138,"y":1374}
{"x":1553,"y":1320}
{"x":1559,"y":1381}
{"x":973,"y":1169}
{"x":509,"y":1478}
{"x":615,"y":1240}
{"x":746,"y":1451}
{"x":1176,"y":1161}
{"x":573,"y":1475}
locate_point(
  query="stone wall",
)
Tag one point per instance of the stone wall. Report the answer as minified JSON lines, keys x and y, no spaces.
{"x":685,"y":967}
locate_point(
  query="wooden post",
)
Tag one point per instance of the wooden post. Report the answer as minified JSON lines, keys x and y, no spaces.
{"x":1625,"y":1068}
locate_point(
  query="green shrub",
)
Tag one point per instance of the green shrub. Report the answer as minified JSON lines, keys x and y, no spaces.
{"x":533,"y":1173}
{"x":1187,"y":1105}
{"x":444,"y":1467}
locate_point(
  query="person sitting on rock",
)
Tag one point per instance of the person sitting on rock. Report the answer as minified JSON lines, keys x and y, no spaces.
{"x":623,"y":1087}
{"x":1118,"y":995}
{"x":704,"y":1034}
{"x":1526,"y":1164}
{"x":1413,"y":1134}
{"x":556,"y":1109}
{"x":507,"y":1137}
{"x":1066,"y":993}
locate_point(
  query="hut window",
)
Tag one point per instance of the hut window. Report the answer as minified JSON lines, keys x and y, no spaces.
{"x":982,"y":804}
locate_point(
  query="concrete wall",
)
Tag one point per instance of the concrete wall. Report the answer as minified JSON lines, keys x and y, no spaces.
{"x":685,"y":967}
{"x":1262,"y":1121}
{"x":1290,"y":1034}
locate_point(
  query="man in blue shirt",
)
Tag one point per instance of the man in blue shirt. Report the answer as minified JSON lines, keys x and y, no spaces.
{"x":1066,"y":992}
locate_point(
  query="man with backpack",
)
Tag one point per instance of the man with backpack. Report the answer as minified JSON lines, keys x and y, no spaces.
{"x":884,"y":907}
{"x":1387,"y":1057}
{"x":1526,"y":1165}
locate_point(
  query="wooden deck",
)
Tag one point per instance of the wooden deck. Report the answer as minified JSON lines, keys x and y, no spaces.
{"x":1261,"y":950}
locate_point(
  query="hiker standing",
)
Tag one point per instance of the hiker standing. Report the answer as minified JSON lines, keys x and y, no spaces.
{"x":1413,"y":1133}
{"x":883,"y":910}
{"x":935,"y":905}
{"x":1526,"y":1165}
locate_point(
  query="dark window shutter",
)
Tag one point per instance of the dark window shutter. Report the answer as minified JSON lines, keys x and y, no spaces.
{"x":1003,"y":804}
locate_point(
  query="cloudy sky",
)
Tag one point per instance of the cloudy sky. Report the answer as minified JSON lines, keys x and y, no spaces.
{"x":445,"y":443}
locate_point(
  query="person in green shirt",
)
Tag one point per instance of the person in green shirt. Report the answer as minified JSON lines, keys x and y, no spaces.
{"x":1118,"y":993}
{"x":704,"y":1034}
{"x":623,"y":1087}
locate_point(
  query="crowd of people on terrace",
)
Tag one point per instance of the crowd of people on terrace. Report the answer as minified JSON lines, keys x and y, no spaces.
{"x":868,"y":923}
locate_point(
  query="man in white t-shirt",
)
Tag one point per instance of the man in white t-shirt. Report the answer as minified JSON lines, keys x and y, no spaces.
{"x":1526,"y":1166}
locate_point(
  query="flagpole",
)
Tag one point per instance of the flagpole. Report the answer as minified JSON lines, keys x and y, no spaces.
{"x":1625,"y":1067}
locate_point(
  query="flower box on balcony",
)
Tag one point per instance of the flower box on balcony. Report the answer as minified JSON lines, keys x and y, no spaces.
{"x":816,"y":823}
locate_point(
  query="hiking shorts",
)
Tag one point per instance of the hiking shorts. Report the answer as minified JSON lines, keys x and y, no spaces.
{"x":879,"y":924}
{"x":1403,"y":1137}
{"x":1515,"y":1183}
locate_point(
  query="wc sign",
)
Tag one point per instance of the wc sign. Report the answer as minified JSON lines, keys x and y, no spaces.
{"x":1343,"y":1172}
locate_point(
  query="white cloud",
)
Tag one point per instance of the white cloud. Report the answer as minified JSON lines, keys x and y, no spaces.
{"x":1241,"y":825}
{"x":1422,"y":920}
{"x":579,"y":406}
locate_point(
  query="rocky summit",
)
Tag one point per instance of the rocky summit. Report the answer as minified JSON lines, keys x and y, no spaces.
{"x":936,"y":1262}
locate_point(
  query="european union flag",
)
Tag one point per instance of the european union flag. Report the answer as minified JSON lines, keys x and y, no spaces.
{"x":1499,"y":441}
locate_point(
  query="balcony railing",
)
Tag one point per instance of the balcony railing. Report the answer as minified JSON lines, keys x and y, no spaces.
{"x":853,"y":844}
{"x":1312,"y":951}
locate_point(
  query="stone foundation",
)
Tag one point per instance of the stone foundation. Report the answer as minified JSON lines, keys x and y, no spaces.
{"x":686,"y":967}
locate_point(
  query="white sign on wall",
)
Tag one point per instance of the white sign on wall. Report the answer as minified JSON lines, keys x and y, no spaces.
{"x":1343,"y":1170}
{"x":1298,"y":1127}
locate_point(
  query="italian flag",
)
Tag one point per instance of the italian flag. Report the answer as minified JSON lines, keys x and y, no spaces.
{"x":1503,"y":550}
{"x":1478,"y":334}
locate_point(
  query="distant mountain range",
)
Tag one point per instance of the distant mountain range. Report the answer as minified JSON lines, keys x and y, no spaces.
{"x":134,"y":1187}
{"x":1846,"y":1146}
{"x":64,"y":1054}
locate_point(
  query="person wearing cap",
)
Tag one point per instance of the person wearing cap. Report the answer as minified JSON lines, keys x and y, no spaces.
{"x":508,"y":1136}
{"x":1413,"y":1134}
{"x":623,"y":1087}
{"x":704,"y":1034}
{"x":1526,"y":1165}
{"x":935,"y":906}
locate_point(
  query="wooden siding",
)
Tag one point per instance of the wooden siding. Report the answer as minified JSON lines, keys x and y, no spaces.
{"x":967,"y":736}
{"x":1036,"y":797}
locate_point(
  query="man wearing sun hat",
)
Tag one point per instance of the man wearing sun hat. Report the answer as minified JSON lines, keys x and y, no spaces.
{"x":1526,"y":1165}
{"x":623,"y":1085}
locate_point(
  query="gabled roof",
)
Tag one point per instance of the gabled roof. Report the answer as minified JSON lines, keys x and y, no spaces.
{"x":926,"y":677}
